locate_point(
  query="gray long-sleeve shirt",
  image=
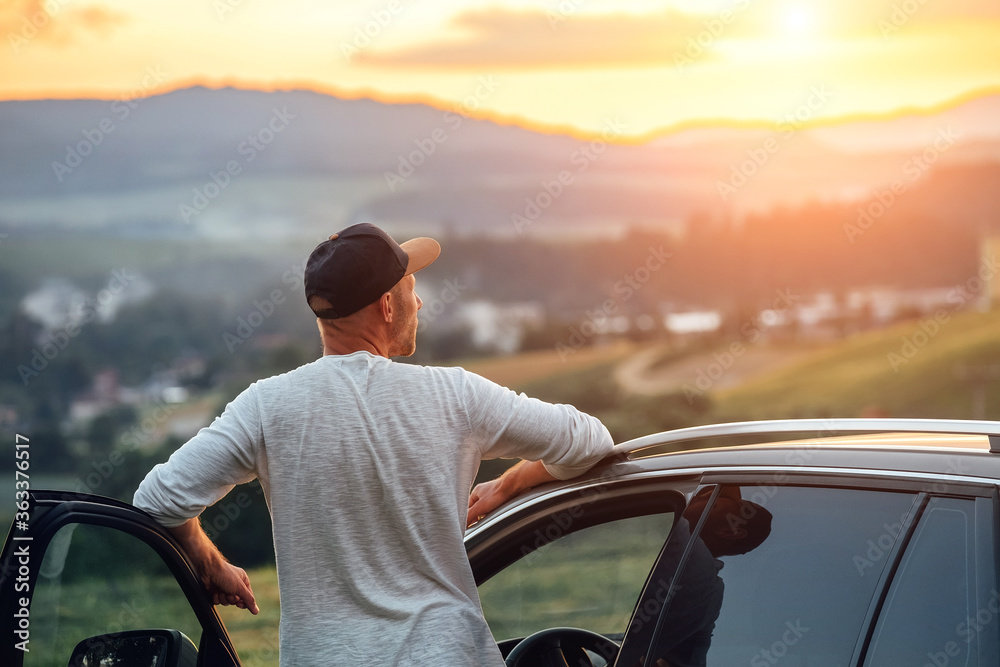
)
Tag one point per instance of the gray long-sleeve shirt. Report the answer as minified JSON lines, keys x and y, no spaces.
{"x":366,"y":465}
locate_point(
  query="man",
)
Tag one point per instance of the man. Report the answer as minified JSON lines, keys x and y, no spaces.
{"x":733,"y":527}
{"x":366,"y":465}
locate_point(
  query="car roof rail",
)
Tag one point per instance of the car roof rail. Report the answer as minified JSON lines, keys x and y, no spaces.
{"x":822,"y":427}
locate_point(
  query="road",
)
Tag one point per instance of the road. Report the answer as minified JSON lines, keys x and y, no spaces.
{"x":706,"y":371}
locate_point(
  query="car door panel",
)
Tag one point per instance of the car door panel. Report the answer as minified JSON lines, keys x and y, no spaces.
{"x":49,"y":544}
{"x":579,"y":559}
{"x":797,"y":591}
{"x":941,"y":606}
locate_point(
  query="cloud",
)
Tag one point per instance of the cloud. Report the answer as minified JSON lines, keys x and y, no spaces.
{"x":99,"y":20}
{"x":862,"y":19}
{"x":509,"y":39}
{"x":55,"y":22}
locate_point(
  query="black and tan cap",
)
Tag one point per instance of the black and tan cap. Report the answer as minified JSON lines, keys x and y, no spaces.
{"x":356,"y":266}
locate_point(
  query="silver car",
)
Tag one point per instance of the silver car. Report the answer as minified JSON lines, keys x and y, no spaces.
{"x":806,"y":542}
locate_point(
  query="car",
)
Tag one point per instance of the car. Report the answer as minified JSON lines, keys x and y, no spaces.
{"x":794,"y":542}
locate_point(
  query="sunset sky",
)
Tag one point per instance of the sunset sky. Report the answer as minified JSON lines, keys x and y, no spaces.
{"x":574,"y":64}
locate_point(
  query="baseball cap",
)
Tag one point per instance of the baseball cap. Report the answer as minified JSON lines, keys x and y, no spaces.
{"x":357,"y":265}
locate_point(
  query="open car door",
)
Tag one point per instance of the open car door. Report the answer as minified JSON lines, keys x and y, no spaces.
{"x":91,"y":580}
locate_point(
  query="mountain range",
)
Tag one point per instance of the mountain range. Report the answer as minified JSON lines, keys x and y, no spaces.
{"x":224,"y":163}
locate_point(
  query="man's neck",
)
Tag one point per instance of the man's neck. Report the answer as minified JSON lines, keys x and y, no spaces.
{"x":349,"y":345}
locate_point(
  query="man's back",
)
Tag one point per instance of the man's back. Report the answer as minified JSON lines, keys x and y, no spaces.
{"x":366,"y":465}
{"x":359,"y":557}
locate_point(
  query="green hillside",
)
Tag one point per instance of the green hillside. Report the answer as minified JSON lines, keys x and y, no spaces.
{"x":914,"y":369}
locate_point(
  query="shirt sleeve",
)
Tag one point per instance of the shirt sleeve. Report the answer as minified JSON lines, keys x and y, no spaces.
{"x":567,"y":442}
{"x":206,"y":467}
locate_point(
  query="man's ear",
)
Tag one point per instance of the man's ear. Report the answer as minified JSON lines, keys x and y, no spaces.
{"x":385,"y":306}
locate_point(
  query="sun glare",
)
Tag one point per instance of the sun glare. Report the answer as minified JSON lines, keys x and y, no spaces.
{"x":797,"y":21}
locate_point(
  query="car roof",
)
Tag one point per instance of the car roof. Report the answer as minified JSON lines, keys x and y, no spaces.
{"x":929,"y":447}
{"x":944,"y":455}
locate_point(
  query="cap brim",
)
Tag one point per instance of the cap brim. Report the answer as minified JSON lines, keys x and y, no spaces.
{"x":422,"y":251}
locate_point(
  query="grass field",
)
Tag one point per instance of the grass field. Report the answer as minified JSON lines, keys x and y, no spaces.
{"x":588,"y":579}
{"x":521,"y":370}
{"x":256,"y":637}
{"x":917,"y":368}
{"x":903,"y":371}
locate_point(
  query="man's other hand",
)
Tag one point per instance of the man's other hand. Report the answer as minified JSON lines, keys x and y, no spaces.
{"x":488,"y":496}
{"x":485,"y":498}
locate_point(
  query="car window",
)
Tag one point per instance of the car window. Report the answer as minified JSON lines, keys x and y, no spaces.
{"x":939,"y":609}
{"x":96,"y":580}
{"x":778,"y":574}
{"x":587,"y":579}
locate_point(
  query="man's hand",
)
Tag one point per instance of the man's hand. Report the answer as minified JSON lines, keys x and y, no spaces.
{"x":488,"y":496}
{"x":226,"y":583}
{"x":485,"y":498}
{"x":230,"y":585}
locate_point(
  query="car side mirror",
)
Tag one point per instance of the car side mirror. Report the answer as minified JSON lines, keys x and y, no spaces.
{"x":148,"y":648}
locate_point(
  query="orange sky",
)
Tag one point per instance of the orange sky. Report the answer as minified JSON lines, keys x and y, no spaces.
{"x":561,"y":63}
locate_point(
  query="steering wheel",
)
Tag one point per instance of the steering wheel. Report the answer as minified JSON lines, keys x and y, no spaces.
{"x":559,"y":647}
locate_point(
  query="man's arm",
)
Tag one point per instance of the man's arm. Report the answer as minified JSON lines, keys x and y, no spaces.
{"x":227,"y":583}
{"x":487,"y":496}
{"x":197,"y":475}
{"x":557,"y":442}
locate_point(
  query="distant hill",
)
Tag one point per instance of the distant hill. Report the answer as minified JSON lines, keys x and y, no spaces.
{"x":904,"y":371}
{"x":296,"y":164}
